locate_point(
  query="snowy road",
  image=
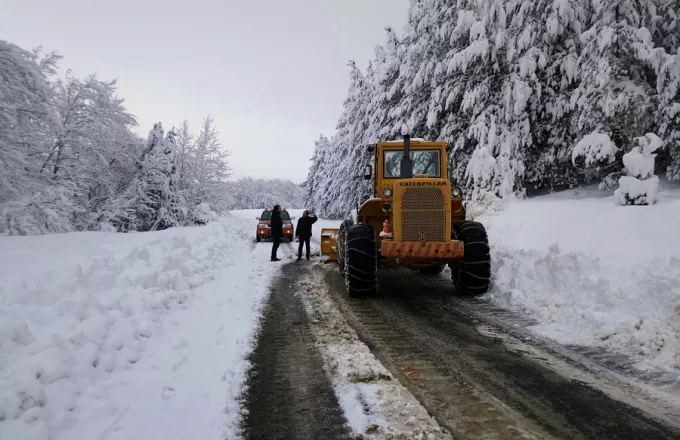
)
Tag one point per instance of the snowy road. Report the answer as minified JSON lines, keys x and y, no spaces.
{"x":481,"y":382}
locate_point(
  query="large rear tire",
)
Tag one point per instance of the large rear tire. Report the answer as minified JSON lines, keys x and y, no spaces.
{"x":361,"y":261}
{"x":471,"y":274}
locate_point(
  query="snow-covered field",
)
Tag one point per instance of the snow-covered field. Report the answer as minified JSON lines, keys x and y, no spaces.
{"x":592,"y":272}
{"x":129,"y":336}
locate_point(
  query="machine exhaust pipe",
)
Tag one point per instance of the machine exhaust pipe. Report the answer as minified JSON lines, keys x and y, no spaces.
{"x":406,"y":170}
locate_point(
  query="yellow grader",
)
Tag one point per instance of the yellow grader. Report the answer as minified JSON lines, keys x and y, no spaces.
{"x":415,"y":219}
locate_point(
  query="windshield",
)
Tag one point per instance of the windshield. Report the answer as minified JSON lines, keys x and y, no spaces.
{"x":267,"y":216}
{"x":424,"y":162}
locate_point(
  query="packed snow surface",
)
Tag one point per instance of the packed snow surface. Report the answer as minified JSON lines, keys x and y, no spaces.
{"x":129,"y":336}
{"x":593,"y":272}
{"x":375,"y":404}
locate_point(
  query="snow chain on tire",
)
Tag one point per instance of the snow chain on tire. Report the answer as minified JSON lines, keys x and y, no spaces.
{"x":471,"y":274}
{"x":341,"y":239}
{"x":360,"y":260}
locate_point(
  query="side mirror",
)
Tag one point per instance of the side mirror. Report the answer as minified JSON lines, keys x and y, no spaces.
{"x":368,"y":172}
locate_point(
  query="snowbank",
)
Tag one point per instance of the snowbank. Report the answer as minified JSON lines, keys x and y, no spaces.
{"x":593,"y":273}
{"x":139,"y":335}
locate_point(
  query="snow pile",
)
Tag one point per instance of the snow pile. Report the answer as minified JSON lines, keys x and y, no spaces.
{"x":128,"y":335}
{"x":489,"y":204}
{"x":640,"y":186}
{"x":593,"y":273}
{"x":376,"y":405}
{"x":202,"y":214}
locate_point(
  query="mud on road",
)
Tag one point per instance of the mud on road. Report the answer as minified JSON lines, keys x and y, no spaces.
{"x":473,"y":383}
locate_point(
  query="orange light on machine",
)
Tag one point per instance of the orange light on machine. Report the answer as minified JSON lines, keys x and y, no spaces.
{"x":387,"y":229}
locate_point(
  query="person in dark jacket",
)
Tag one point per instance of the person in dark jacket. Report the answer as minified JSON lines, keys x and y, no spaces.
{"x":277,"y":231}
{"x":304,"y":232}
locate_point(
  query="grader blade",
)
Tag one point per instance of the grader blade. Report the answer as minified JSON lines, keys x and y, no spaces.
{"x":329,"y":243}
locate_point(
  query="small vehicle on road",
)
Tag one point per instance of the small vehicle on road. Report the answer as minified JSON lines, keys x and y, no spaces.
{"x":264,"y":226}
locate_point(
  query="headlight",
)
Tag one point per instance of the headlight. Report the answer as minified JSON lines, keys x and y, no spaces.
{"x":456,"y":191}
{"x":387,"y":192}
{"x":262,"y":225}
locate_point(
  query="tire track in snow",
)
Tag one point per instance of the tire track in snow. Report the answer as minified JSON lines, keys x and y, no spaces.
{"x":462,"y":375}
{"x":288,"y":395}
{"x":376,"y":404}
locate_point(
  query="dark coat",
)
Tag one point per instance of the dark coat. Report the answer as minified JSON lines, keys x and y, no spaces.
{"x":304,"y":226}
{"x":277,"y":225}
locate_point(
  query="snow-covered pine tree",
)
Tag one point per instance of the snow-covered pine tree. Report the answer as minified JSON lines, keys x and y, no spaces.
{"x":450,"y":84}
{"x":315,"y":176}
{"x":527,"y":91}
{"x":349,"y":154}
{"x":546,"y":54}
{"x":150,"y":190}
{"x":209,"y":168}
{"x":497,"y":163}
{"x":665,"y":24}
{"x":614,"y":97}
{"x":640,"y":186}
{"x":412,"y":114}
{"x":175,"y":207}
{"x":668,"y":87}
{"x":384,"y":91}
{"x":185,"y":142}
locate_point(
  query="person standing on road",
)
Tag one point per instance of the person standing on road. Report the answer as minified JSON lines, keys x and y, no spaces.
{"x":304,"y":232}
{"x":277,"y":231}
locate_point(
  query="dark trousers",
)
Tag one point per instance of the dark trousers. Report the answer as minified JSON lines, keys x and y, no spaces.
{"x":303,"y":241}
{"x":276,"y":241}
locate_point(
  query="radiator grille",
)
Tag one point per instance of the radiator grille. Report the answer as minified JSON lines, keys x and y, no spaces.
{"x":423,"y":215}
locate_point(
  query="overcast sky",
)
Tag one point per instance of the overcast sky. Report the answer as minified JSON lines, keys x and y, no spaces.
{"x":272,"y":73}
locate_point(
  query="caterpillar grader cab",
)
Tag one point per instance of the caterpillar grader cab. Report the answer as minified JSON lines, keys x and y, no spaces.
{"x":414,"y":219}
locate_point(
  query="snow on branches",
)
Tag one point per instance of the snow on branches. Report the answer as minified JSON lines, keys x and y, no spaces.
{"x":529,"y":93}
{"x":70,"y":161}
{"x":640,"y":186}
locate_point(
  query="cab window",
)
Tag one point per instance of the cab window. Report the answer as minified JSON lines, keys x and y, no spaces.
{"x":425,"y":162}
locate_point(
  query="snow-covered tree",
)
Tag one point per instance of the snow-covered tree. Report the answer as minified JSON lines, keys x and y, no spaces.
{"x":69,"y":160}
{"x":250,"y":193}
{"x":668,"y":86}
{"x":29,"y":203}
{"x":614,"y":95}
{"x":316,"y":174}
{"x":91,"y":135}
{"x":525,"y":91}
{"x":349,"y":155}
{"x":207,"y":168}
{"x":640,"y":186}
